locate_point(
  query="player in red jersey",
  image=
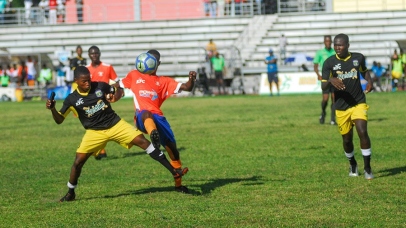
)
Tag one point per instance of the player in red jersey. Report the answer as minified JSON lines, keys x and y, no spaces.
{"x":150,"y":91}
{"x":100,"y":72}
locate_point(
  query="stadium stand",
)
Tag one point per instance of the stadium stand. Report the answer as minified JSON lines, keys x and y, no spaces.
{"x":182,"y":42}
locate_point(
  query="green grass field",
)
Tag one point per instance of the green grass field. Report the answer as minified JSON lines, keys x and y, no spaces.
{"x":254,"y":161}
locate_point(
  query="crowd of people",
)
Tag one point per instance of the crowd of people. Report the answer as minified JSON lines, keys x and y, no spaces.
{"x":39,"y":11}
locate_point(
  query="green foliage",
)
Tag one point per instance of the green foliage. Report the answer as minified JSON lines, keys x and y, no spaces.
{"x":254,"y":162}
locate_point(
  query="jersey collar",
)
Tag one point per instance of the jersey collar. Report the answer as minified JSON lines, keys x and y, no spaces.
{"x":346,"y":58}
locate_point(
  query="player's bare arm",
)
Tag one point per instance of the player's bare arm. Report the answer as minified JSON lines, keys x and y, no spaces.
{"x":337,"y":83}
{"x":55,"y":114}
{"x":367,"y":77}
{"x":188,"y":86}
{"x":316,"y":70}
{"x":116,"y":93}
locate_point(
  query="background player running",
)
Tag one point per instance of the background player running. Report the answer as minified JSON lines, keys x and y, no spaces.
{"x":343,"y":71}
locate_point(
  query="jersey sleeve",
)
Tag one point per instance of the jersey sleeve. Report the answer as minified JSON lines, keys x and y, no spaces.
{"x":316,"y":59}
{"x":363,"y":66}
{"x":170,"y":86}
{"x":326,"y":71}
{"x":67,"y":108}
{"x":126,"y":82}
{"x":113,"y":74}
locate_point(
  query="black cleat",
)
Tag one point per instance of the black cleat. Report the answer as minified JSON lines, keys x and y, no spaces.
{"x":68,"y":197}
{"x":100,"y":156}
{"x":180,"y":172}
{"x":182,"y":189}
{"x":155,"y":139}
{"x":322,"y":117}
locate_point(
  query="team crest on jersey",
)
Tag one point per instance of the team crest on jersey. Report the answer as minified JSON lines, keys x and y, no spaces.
{"x":100,"y":74}
{"x":79,"y":101}
{"x":337,"y":67}
{"x":99,"y":93}
{"x":157,"y":83}
{"x":355,"y":62}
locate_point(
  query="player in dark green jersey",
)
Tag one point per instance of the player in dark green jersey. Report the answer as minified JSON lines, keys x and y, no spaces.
{"x":91,"y":102}
{"x":343,"y":71}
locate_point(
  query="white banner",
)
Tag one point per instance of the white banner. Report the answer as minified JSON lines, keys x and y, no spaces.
{"x":289,"y":83}
{"x":8,"y":93}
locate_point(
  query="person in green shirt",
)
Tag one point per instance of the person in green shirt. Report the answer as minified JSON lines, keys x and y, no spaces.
{"x":4,"y":78}
{"x":45,"y":76}
{"x":321,"y":56}
{"x":218,"y":67}
{"x":397,"y":71}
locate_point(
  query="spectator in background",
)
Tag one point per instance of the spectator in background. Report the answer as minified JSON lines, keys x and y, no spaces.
{"x":319,"y":58}
{"x":100,"y":72}
{"x":61,"y":70}
{"x":211,"y":48}
{"x":238,"y":8}
{"x":378,"y":71}
{"x":27,"y":6}
{"x":220,"y":8}
{"x":79,"y":10}
{"x":272,"y":70}
{"x":22,"y":74}
{"x":219,"y":67}
{"x":52,"y":12}
{"x":4,"y":78}
{"x":397,"y":71}
{"x":31,"y":71}
{"x":283,"y":42}
{"x":75,"y":62}
{"x":13,"y":73}
{"x":3,"y":4}
{"x":61,"y":11}
{"x":44,"y":6}
{"x":45,"y":76}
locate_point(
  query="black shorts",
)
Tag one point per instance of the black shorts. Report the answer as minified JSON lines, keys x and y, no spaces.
{"x":218,"y":74}
{"x":329,"y":90}
{"x":273,"y":77}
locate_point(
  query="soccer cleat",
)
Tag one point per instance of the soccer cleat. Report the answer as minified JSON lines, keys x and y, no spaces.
{"x":155,"y":139}
{"x":101,"y":155}
{"x":333,"y":122}
{"x":353,"y":171}
{"x":322,"y":117}
{"x":182,"y":189}
{"x":368,"y":176}
{"x":68,"y":197}
{"x":180,"y":172}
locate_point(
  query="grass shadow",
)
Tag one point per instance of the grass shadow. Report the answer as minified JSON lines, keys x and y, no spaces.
{"x":206,"y":188}
{"x":392,"y":171}
{"x":377,"y":119}
{"x":125,"y":155}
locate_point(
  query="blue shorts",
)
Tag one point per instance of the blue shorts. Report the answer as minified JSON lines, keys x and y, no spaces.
{"x":273,"y":77}
{"x":164,"y":129}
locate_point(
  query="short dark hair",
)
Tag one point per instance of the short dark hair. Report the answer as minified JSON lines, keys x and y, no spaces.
{"x":327,"y":36}
{"x":80,"y":70}
{"x":343,"y":36}
{"x":155,"y":53}
{"x":94,"y":47}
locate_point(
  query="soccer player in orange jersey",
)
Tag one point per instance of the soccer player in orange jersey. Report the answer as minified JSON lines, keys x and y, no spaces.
{"x":100,"y":72}
{"x":150,"y":91}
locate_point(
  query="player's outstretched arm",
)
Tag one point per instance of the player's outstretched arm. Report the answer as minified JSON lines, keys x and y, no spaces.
{"x":115,"y":95}
{"x":55,"y":114}
{"x":188,"y":86}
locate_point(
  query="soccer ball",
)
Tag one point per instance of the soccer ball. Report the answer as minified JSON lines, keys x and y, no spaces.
{"x":146,"y":63}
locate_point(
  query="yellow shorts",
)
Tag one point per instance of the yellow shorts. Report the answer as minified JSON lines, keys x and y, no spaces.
{"x":396,"y":75}
{"x":122,"y":133}
{"x":345,"y":119}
